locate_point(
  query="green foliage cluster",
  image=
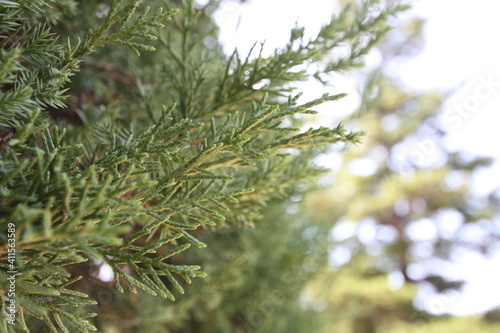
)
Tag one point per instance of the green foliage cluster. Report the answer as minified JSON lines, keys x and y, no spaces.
{"x":106,"y":157}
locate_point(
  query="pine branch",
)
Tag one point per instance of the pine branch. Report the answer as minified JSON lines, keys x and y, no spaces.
{"x":136,"y":183}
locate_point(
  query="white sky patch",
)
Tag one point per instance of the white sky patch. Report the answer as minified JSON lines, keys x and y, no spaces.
{"x":459,"y":42}
{"x":422,"y":249}
{"x":421,"y":230}
{"x":386,"y":234}
{"x":395,"y":280}
{"x":487,"y":180}
{"x":331,"y":160}
{"x":201,"y":3}
{"x":339,"y":255}
{"x":105,"y":273}
{"x":416,"y":271}
{"x":479,"y":294}
{"x":269,"y":21}
{"x":472,"y":233}
{"x":367,"y":231}
{"x":448,"y":221}
{"x":363,"y":167}
{"x":390,"y":122}
{"x":402,"y":207}
{"x":344,"y":230}
{"x":454,"y":180}
{"x":330,"y":113}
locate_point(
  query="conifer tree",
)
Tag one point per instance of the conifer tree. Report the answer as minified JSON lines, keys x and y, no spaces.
{"x":126,"y":133}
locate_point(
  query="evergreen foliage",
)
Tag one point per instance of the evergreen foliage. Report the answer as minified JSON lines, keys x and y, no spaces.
{"x":107,"y":157}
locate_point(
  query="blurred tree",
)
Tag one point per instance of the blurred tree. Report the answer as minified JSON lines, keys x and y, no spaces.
{"x":401,"y":205}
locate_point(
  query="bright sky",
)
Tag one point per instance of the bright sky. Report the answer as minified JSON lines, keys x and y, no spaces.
{"x":462,"y":52}
{"x":461,"y":55}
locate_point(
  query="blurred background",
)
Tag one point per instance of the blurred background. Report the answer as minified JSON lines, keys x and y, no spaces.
{"x":409,"y":219}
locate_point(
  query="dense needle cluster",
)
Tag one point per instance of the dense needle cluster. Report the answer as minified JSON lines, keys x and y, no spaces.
{"x":107,"y":156}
